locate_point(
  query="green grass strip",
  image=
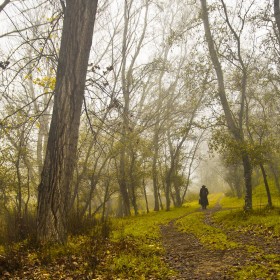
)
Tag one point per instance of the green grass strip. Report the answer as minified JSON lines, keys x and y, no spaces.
{"x":209,"y":236}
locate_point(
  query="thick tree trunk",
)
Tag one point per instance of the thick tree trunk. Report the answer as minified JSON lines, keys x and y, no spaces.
{"x":54,"y":189}
{"x":178,"y":201}
{"x":134,"y":199}
{"x":133,"y":196}
{"x":277,"y":16}
{"x":160,"y":200}
{"x":238,"y":187}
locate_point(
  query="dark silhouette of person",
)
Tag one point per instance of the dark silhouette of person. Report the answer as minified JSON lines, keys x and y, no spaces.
{"x":203,"y":199}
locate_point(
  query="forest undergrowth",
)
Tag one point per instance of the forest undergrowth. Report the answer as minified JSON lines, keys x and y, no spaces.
{"x":161,"y":245}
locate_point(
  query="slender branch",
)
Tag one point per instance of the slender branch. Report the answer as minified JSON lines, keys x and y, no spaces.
{"x":21,"y":108}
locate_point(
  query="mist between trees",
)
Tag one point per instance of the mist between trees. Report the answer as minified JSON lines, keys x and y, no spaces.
{"x":126,"y":118}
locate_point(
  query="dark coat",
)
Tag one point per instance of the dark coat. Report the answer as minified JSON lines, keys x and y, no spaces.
{"x":203,"y":199}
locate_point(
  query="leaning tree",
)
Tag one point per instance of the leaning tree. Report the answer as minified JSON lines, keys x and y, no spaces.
{"x":54,"y":188}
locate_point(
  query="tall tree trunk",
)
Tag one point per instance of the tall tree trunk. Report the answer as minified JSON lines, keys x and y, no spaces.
{"x":19,"y":185}
{"x":28,"y":194}
{"x":274,"y":169}
{"x":124,"y":203}
{"x":154,"y":169}
{"x":168,"y":190}
{"x":124,"y":199}
{"x":178,"y":201}
{"x":157,"y":129}
{"x":169,"y":172}
{"x":54,"y":188}
{"x":106,"y":197}
{"x":145,"y":195}
{"x":87,"y":204}
{"x":277,"y":16}
{"x":232,"y":125}
{"x":127,"y":69}
{"x":172,"y":198}
{"x":267,"y":189}
{"x":160,"y":200}
{"x":132,"y":182}
{"x":248,"y":180}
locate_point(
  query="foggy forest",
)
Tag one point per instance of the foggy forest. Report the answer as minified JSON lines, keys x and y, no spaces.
{"x":139,"y":139}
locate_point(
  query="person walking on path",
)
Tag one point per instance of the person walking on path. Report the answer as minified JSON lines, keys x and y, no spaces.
{"x":203,"y":199}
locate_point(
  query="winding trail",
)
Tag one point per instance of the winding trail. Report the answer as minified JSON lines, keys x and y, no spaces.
{"x":192,"y":260}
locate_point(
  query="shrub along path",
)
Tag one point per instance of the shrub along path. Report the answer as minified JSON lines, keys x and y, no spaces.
{"x":244,"y":254}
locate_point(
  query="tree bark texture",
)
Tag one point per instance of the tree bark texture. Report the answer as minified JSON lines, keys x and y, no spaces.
{"x":132,"y":183}
{"x":277,"y":16}
{"x":275,"y":171}
{"x":145,"y":195}
{"x":168,"y":191}
{"x":248,"y":180}
{"x":267,"y":189}
{"x":154,"y":170}
{"x":60,"y":159}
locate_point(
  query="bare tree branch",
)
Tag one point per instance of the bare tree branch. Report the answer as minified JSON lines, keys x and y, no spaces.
{"x":6,"y":2}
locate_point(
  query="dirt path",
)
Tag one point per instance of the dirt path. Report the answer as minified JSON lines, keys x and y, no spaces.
{"x":186,"y":255}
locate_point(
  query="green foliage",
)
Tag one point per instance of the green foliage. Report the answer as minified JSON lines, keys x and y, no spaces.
{"x":232,"y":150}
{"x":259,"y":198}
{"x":178,"y":180}
{"x":226,"y":145}
{"x":260,"y":192}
